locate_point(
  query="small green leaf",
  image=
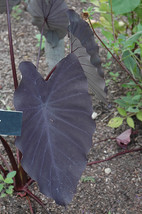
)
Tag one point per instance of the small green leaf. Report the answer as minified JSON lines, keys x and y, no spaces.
{"x":136,"y":97}
{"x":115,"y":122}
{"x":130,"y":122}
{"x":122,"y":111}
{"x":8,"y":181}
{"x":11,"y":174}
{"x":2,"y":195}
{"x":1,"y":178}
{"x":139,"y":115}
{"x":1,"y":187}
{"x":9,"y":191}
{"x":133,"y":109}
{"x":87,"y":178}
{"x":11,"y":187}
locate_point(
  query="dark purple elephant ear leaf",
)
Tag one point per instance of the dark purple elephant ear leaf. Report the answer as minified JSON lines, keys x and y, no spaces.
{"x":86,"y":49}
{"x":57,"y":127}
{"x":12,"y":3}
{"x":53,"y":14}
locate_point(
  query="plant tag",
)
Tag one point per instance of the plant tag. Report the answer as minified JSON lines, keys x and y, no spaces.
{"x":10,"y":122}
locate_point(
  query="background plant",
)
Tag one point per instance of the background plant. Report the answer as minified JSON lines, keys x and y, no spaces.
{"x":121,"y":25}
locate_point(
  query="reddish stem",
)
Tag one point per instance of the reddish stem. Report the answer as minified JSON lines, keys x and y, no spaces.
{"x":33,"y":196}
{"x":117,"y":154}
{"x":48,"y":76}
{"x":30,"y":181}
{"x":11,"y":46}
{"x":30,"y":206}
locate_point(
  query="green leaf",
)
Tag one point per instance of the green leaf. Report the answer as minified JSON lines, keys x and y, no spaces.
{"x":1,"y":178}
{"x":2,"y":195}
{"x":115,"y":122}
{"x":130,"y":62}
{"x":108,"y":35}
{"x":9,"y":191}
{"x":133,"y":39}
{"x":133,"y":109}
{"x":136,"y":97}
{"x":11,"y":187}
{"x":121,"y":111}
{"x":87,"y":178}
{"x":124,"y":6}
{"x":9,"y":181}
{"x":139,"y":115}
{"x":11,"y":174}
{"x":1,"y":187}
{"x":121,"y":102}
{"x":130,"y":122}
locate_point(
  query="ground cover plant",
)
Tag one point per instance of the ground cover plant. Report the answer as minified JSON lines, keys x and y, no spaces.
{"x":57,"y":127}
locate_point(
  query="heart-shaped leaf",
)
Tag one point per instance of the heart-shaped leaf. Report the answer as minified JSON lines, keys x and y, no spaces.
{"x":51,"y":15}
{"x":86,"y":49}
{"x":11,"y":4}
{"x":57,"y":127}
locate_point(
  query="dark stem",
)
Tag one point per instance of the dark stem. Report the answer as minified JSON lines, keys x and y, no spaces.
{"x":11,"y":46}
{"x":12,"y":161}
{"x":11,"y":50}
{"x":117,"y":154}
{"x":120,"y":63}
{"x":3,"y":171}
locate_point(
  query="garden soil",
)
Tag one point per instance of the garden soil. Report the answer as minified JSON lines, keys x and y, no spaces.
{"x":114,"y":186}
